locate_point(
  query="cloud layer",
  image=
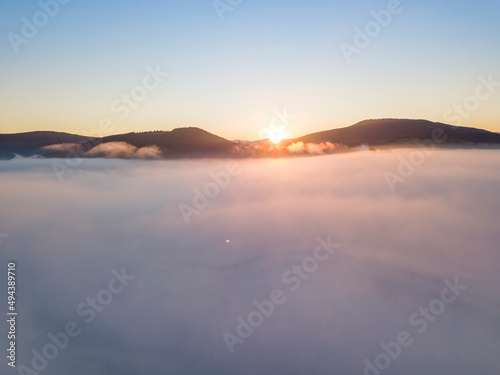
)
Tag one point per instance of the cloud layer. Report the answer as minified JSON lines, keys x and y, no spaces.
{"x":120,"y":150}
{"x":396,"y":250}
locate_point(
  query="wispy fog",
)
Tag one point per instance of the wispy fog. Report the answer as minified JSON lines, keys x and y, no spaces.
{"x":120,"y":150}
{"x":199,"y":266}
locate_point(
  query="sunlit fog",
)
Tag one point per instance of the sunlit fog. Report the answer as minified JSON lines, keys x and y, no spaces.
{"x":358,"y":263}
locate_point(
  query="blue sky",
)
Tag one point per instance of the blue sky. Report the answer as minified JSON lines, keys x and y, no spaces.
{"x":230,"y":76}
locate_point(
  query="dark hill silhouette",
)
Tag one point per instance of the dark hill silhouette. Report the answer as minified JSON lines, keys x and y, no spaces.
{"x":181,"y":141}
{"x":392,"y":131}
{"x":27,"y":144}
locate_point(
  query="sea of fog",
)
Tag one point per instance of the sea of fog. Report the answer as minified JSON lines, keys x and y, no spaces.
{"x":359,"y":263}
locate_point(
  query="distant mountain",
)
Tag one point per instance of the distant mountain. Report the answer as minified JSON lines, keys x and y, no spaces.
{"x":27,"y":144}
{"x":196,"y":142}
{"x":177,"y":142}
{"x":181,"y":142}
{"x":397,"y":131}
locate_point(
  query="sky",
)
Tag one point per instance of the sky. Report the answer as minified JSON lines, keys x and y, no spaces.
{"x":188,"y":286}
{"x":238,"y":69}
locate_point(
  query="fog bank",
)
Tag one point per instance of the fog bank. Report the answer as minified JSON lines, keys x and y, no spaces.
{"x":194,"y":278}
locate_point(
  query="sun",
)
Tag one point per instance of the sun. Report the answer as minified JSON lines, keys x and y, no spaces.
{"x":276,"y":138}
{"x":277,"y":135}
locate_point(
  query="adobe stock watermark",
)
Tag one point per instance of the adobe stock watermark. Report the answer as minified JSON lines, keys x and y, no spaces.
{"x":471,"y":103}
{"x":211,"y":190}
{"x":293,"y":279}
{"x":364,"y":36}
{"x":31,"y":25}
{"x":407,"y":166}
{"x":420,"y":321}
{"x":223,"y":6}
{"x":121,"y":107}
{"x":59,"y":341}
{"x":276,"y":130}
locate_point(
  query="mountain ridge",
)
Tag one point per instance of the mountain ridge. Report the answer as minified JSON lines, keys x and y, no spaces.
{"x":197,"y":142}
{"x":377,"y":132}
